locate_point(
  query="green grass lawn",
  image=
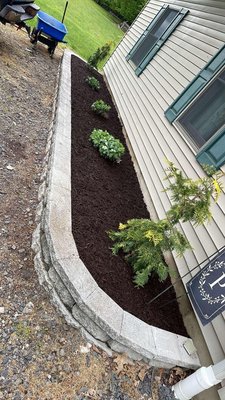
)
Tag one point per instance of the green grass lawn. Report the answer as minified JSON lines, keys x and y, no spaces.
{"x":89,"y":26}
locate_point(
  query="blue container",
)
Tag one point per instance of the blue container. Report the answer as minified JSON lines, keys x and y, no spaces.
{"x":51,"y":26}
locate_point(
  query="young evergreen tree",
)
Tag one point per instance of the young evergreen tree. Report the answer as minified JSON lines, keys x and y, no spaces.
{"x":143,"y":241}
{"x":99,"y":55}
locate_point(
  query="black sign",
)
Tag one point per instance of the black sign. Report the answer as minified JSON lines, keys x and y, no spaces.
{"x":207,"y":289}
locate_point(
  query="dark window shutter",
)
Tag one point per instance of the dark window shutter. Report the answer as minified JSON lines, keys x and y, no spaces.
{"x":213,"y":152}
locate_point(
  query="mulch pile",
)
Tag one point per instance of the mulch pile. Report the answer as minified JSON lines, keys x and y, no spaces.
{"x":103,"y":195}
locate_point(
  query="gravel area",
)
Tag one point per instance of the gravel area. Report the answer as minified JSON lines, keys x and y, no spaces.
{"x":41,"y":357}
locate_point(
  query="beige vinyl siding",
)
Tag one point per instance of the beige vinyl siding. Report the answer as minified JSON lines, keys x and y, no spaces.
{"x":141,"y":103}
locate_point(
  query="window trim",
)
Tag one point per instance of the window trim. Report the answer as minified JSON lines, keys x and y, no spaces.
{"x":196,"y":85}
{"x":180,"y":127}
{"x":181,"y":13}
{"x":207,"y":153}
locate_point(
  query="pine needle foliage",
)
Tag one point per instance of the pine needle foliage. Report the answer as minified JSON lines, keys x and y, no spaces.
{"x":144,"y":241}
{"x":191,"y":198}
{"x":99,"y":55}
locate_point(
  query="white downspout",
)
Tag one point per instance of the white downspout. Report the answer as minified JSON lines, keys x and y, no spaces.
{"x":202,"y":379}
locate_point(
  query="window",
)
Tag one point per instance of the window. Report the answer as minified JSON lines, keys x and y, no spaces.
{"x":154,"y":37}
{"x":200,"y":112}
{"x":206,"y":115}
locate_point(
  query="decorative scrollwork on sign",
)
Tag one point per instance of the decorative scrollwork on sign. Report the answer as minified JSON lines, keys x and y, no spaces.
{"x":206,"y":296}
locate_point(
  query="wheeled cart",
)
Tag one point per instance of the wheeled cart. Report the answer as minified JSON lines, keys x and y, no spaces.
{"x":49,"y":31}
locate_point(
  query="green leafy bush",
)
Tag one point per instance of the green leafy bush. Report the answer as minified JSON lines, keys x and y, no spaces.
{"x":98,"y":55}
{"x":93,"y":83}
{"x":143,"y":241}
{"x":100,"y":107}
{"x":107,"y":145}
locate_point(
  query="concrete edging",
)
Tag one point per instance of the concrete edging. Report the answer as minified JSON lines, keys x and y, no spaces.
{"x":72,"y":288}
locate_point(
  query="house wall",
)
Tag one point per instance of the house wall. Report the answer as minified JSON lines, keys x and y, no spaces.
{"x":141,"y":103}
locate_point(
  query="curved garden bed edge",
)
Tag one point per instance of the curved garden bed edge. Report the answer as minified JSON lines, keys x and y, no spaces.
{"x":60,"y":269}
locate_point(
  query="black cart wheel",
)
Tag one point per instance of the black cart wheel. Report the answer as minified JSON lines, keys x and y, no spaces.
{"x":34,"y":35}
{"x":51,"y":48}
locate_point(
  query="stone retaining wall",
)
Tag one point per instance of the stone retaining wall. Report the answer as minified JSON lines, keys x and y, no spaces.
{"x":72,"y":288}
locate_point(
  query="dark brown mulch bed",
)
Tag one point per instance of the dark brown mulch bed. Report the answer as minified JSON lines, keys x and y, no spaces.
{"x":103,"y":195}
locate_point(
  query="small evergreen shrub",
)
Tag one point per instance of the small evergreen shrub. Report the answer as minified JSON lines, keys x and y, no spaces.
{"x":143,"y":241}
{"x":93,"y":83}
{"x":100,"y":107}
{"x":98,"y":55}
{"x":107,"y":145}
